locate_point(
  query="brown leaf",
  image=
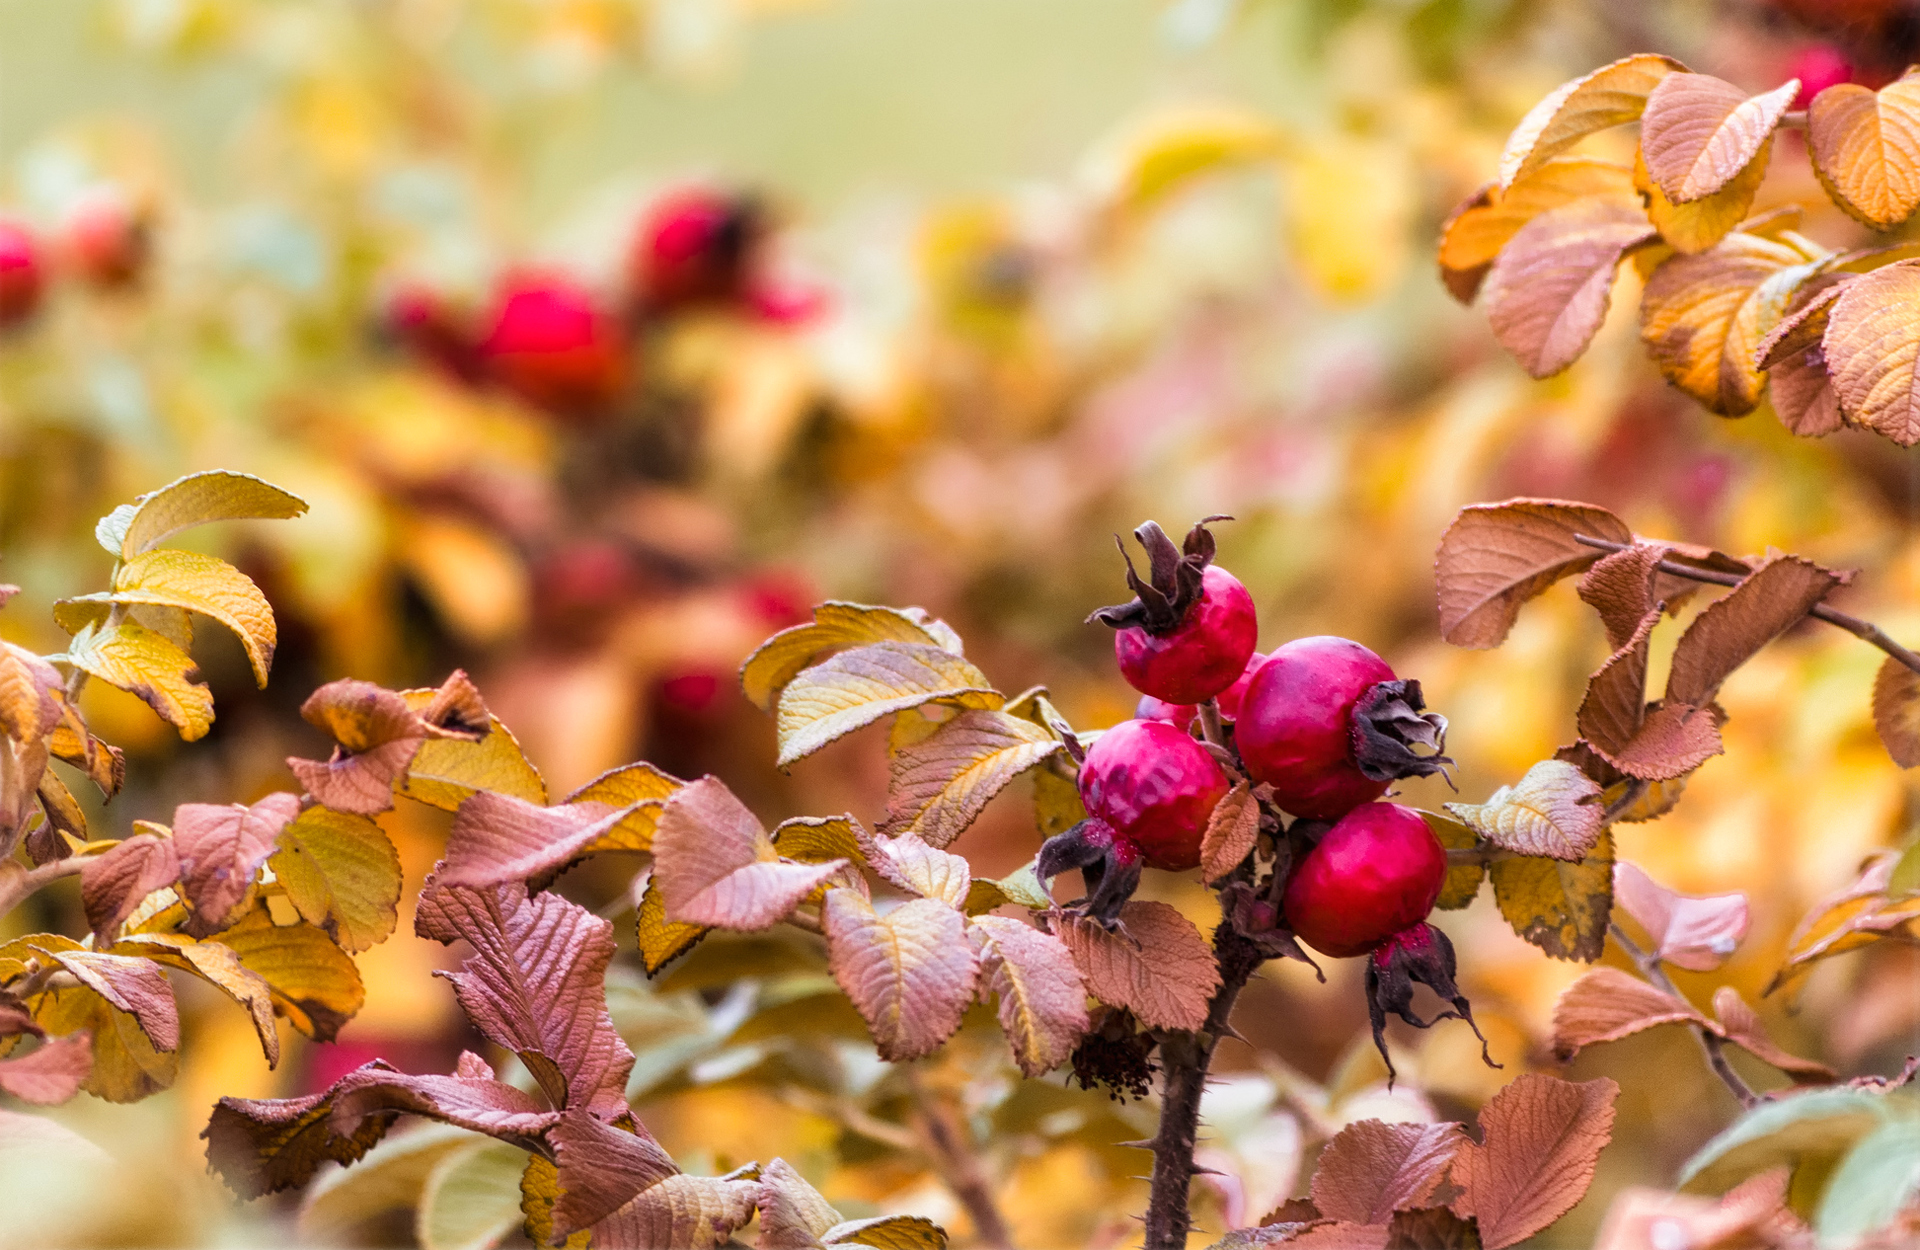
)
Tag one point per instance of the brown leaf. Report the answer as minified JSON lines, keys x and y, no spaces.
{"x":1043,"y":1001}
{"x":1553,"y":810}
{"x":221,"y":848}
{"x":910,"y":973}
{"x":1695,"y":226}
{"x":1615,"y":706}
{"x":1481,"y":226}
{"x":1609,"y":96}
{"x":940,"y":784}
{"x":1866,"y":149}
{"x":70,"y":741}
{"x":1371,"y":1169}
{"x":1740,"y":1024}
{"x":1675,"y":739}
{"x":601,"y":1169}
{"x":113,"y":884}
{"x":1695,"y":932}
{"x":1495,"y":557}
{"x":1699,"y":132}
{"x":496,"y":839}
{"x":1548,"y":292}
{"x":1795,"y":360}
{"x":378,"y":735}
{"x":1896,"y":711}
{"x":919,"y":869}
{"x":51,"y":1073}
{"x":1872,"y":345}
{"x":681,"y":1213}
{"x":1157,"y":965}
{"x":1607,"y":1004}
{"x":1231,"y":832}
{"x":1768,"y":602}
{"x":717,"y":867}
{"x":1542,"y":1138}
{"x":793,"y":1215}
{"x":1621,"y":589}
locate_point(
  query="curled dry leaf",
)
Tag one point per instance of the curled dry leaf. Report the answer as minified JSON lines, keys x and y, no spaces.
{"x":1766,"y":603}
{"x":1740,"y":1024}
{"x":114,"y":883}
{"x":919,"y":869}
{"x":1542,"y":1137}
{"x":856,"y":688}
{"x":1699,"y":132}
{"x":30,"y":707}
{"x":1548,"y":292}
{"x":1043,"y":1001}
{"x":1608,"y":1004}
{"x":940,"y":784}
{"x":1896,"y":711}
{"x":717,"y":867}
{"x":1561,"y":907}
{"x":196,"y":499}
{"x":1231,"y":832}
{"x":1156,"y":964}
{"x":835,"y":624}
{"x":1622,"y":589}
{"x":1675,"y":739}
{"x":1695,"y":932}
{"x":378,"y":735}
{"x":1609,"y":96}
{"x":1495,"y":557}
{"x":1866,"y":149}
{"x":1371,"y":1169}
{"x":1479,"y":228}
{"x":1554,"y":811}
{"x":910,"y":973}
{"x":1872,"y":346}
{"x":51,"y":1073}
{"x":217,"y":964}
{"x":221,"y":848}
{"x":1615,"y":706}
{"x":683,"y":1212}
{"x":1859,"y":915}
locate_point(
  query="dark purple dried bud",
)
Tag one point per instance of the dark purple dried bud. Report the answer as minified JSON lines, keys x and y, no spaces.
{"x":1389,"y":721}
{"x":1173,"y":579}
{"x":1114,"y":1053}
{"x":1109,"y":866}
{"x":1419,"y":953}
{"x":1255,"y":917}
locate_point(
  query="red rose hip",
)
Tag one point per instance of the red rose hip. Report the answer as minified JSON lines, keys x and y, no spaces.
{"x":1376,"y":872}
{"x":22,"y":274}
{"x":1189,"y":630}
{"x":1155,"y":787}
{"x":550,"y":343}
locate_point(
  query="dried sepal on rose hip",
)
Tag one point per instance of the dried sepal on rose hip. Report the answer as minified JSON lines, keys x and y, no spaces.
{"x":1148,"y":789}
{"x":1325,"y":722}
{"x":1190,"y":627}
{"x":1419,"y":953}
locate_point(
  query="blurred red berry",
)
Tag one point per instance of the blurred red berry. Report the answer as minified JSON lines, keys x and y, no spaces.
{"x":22,"y":274}
{"x":1818,"y":66}
{"x":1231,"y":698}
{"x":550,"y":343}
{"x":695,"y":246}
{"x":107,"y":240}
{"x":428,"y":327}
{"x":1179,"y":715}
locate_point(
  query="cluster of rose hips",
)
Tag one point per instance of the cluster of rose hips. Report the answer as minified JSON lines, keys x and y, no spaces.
{"x":1320,"y":727}
{"x":552,"y":341}
{"x":104,"y":241}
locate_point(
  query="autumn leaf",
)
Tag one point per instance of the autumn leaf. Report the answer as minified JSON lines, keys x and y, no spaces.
{"x":1552,"y":811}
{"x":1754,"y":1212}
{"x":1156,"y":964}
{"x":1866,"y":149}
{"x":1043,"y":1001}
{"x":641,"y":790}
{"x":146,"y":665}
{"x":71,"y":742}
{"x":378,"y":736}
{"x":1476,"y":232}
{"x":128,"y":1065}
{"x":910,"y":973}
{"x":51,"y":1073}
{"x":1695,"y":932}
{"x":1695,"y":226}
{"x":1371,"y":1170}
{"x":662,"y":941}
{"x":717,"y":867}
{"x":601,"y":1168}
{"x":1766,"y":603}
{"x":1561,"y":907}
{"x":1609,"y":96}
{"x":341,"y":873}
{"x":497,"y":839}
{"x":1872,"y":346}
{"x":1173,"y":147}
{"x":189,"y":581}
{"x":1548,"y":291}
{"x":312,"y":981}
{"x":1865,"y":912}
{"x":1615,"y":706}
{"x":1542,"y":1139}
{"x":1462,"y":881}
{"x":1795,"y":360}
{"x":858,"y":687}
{"x":1495,"y":557}
{"x":30,"y":708}
{"x":919,"y":869}
{"x":196,"y":499}
{"x":1057,"y":806}
{"x":221,"y":847}
{"x":835,"y":624}
{"x":941,"y":784}
{"x":1740,"y":1024}
{"x":1896,"y":711}
{"x":446,"y":771}
{"x":1699,"y":132}
{"x":112,"y":884}
{"x":696,"y":1212}
{"x":218,"y":965}
{"x":1232,"y":829}
{"x":1606,"y":1005}
{"x":793,"y":1215}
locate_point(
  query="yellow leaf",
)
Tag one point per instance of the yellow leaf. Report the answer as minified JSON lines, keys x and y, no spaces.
{"x":219,"y":965}
{"x":1479,"y":228}
{"x":146,"y":665}
{"x":315,"y":984}
{"x":342,"y":874}
{"x":775,"y":662}
{"x":539,"y":1190}
{"x":1609,"y":96}
{"x":1699,"y":224}
{"x":1866,"y":149}
{"x":661,"y":940}
{"x":126,"y":1066}
{"x":186,"y":580}
{"x":447,"y":771}
{"x":1463,"y":880}
{"x":858,"y":687}
{"x":941,"y":784}
{"x":217,"y":495}
{"x":1872,"y":346}
{"x":1170,"y":150}
{"x":1561,"y":907}
{"x":1056,"y":801}
{"x":1552,"y":811}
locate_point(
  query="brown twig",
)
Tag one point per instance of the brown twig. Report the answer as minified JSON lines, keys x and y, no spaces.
{"x":17,"y":884}
{"x":950,"y":1147}
{"x":1714,"y":1046}
{"x":1866,"y":631}
{"x":1483,"y":855}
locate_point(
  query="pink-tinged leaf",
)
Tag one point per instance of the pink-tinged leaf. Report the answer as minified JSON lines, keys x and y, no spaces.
{"x":910,"y":973}
{"x":1548,"y":292}
{"x":716,"y":866}
{"x":1695,"y":932}
{"x":1753,"y":1213}
{"x":1542,"y":1139}
{"x":220,"y":966}
{"x":1872,"y":350}
{"x":457,"y":710}
{"x":601,"y":1169}
{"x":1495,"y":557}
{"x":1740,"y":1024}
{"x":51,"y":1073}
{"x":681,"y":1213}
{"x":378,"y":736}
{"x":112,"y":885}
{"x":908,"y":862}
{"x":535,"y":985}
{"x":16,"y":1018}
{"x":135,"y":986}
{"x":498,"y":839}
{"x":793,"y":1215}
{"x":1043,"y":1000}
{"x":221,"y":848}
{"x":1606,"y":1005}
{"x":1699,"y":132}
{"x":263,"y":1146}
{"x":941,"y":783}
{"x":1371,"y":1169}
{"x":1157,"y":965}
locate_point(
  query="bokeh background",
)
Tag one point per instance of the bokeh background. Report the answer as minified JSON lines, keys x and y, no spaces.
{"x":1016,"y":275}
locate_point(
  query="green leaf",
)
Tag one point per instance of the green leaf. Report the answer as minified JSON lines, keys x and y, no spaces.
{"x":146,"y":665}
{"x":856,"y":688}
{"x":216,"y":495}
{"x":471,"y":1198}
{"x":342,"y":873}
{"x":1463,"y":880}
{"x":835,"y":624}
{"x":1792,"y":1129}
{"x":1561,"y":907}
{"x":1871,"y":1186}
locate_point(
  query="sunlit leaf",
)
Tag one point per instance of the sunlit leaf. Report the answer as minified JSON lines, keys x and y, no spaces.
{"x":1872,"y":347}
{"x":1483,"y":225}
{"x":1553,"y":810}
{"x":716,"y":866}
{"x":941,"y":784}
{"x":1866,"y":149}
{"x":1699,"y":132}
{"x":342,"y":873}
{"x":1609,"y":96}
{"x":146,"y":665}
{"x":858,"y":687}
{"x":1043,"y":1007}
{"x":768,"y":670}
{"x":911,"y":972}
{"x":196,"y":499}
{"x":1558,"y":906}
{"x":1548,"y":292}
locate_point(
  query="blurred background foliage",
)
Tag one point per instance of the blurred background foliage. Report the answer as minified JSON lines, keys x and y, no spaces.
{"x":1025,"y":273}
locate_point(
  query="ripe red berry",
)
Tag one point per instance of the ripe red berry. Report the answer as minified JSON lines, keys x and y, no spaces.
{"x":1233,"y":697}
{"x":22,"y":274}
{"x":1327,"y":725}
{"x":107,"y":240}
{"x":1377,"y":871}
{"x":1155,"y":787}
{"x":695,"y":246}
{"x":1188,"y":632}
{"x":550,"y":343}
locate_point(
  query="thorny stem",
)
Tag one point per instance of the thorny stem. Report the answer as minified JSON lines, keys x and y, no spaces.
{"x":1185,"y":1057}
{"x":1715,"y":1048}
{"x":1866,"y":631}
{"x":949,"y":1145}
